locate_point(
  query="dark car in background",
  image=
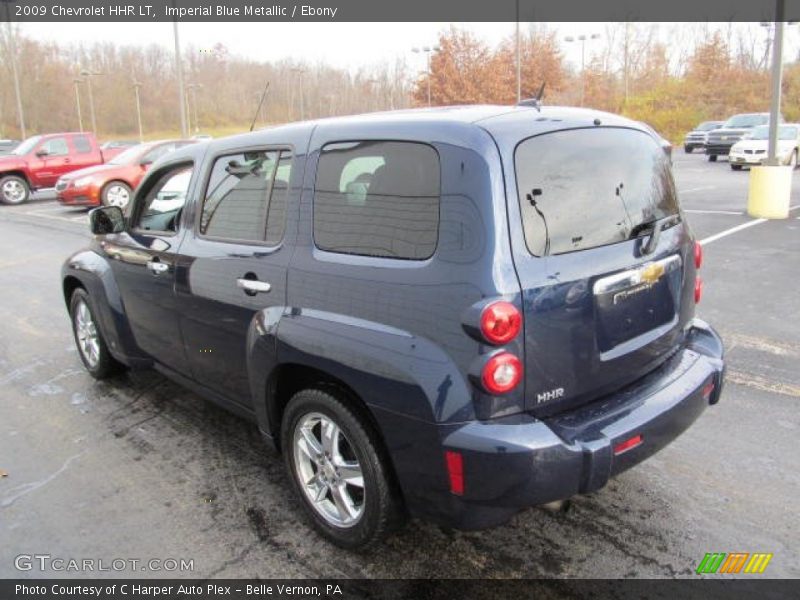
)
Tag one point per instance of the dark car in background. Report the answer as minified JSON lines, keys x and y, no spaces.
{"x":720,"y":141}
{"x":698,"y":136}
{"x":452,"y":314}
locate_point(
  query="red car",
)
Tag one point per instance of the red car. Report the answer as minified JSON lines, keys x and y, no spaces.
{"x":112,"y":184}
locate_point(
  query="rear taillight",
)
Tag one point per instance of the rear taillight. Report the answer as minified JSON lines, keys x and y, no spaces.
{"x":500,"y":322}
{"x":501,"y":373}
{"x":698,"y":255}
{"x":698,"y":289}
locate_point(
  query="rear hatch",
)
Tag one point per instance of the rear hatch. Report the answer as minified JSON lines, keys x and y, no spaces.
{"x":606,"y":281}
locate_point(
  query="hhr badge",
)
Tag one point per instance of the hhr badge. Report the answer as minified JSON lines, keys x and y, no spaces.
{"x":551,"y":395}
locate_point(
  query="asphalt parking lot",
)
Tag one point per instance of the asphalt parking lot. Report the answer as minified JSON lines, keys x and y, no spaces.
{"x":140,"y":468}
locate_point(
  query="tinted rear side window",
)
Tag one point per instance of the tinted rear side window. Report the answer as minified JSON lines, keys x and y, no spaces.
{"x":82,"y":144}
{"x":585,"y":188}
{"x":378,"y":199}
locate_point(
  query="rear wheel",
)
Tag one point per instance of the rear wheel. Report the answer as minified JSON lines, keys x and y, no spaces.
{"x":92,"y":347}
{"x":793,"y":159}
{"x":736,"y":167}
{"x":688,"y":149}
{"x":14,"y":190}
{"x":712,"y":158}
{"x":338,"y":470}
{"x":116,"y":193}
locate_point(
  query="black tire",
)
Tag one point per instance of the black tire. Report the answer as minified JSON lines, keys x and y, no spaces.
{"x":382,"y":507}
{"x":736,"y":167}
{"x":14,"y":190}
{"x":113,"y":185}
{"x":688,"y":149}
{"x":793,"y":159}
{"x":104,"y":365}
{"x":712,"y":158}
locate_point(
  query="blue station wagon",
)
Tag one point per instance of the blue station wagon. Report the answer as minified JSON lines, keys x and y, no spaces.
{"x":451,"y":314}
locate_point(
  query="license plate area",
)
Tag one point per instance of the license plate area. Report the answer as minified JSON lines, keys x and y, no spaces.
{"x":635,"y":302}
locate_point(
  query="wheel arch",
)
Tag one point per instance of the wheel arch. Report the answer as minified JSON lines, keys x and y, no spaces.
{"x":17,"y":173}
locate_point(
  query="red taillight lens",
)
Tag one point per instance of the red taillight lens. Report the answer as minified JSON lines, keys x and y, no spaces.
{"x":502,"y":373}
{"x":698,"y":289}
{"x":455,"y":470}
{"x":500,"y":322}
{"x":698,"y":255}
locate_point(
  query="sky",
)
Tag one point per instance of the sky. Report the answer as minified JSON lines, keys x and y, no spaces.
{"x":343,"y":45}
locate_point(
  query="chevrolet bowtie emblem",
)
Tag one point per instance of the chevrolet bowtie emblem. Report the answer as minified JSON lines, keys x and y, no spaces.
{"x":651,"y":273}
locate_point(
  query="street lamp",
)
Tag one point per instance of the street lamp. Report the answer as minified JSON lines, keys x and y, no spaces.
{"x":300,"y":71}
{"x":179,"y":70}
{"x":427,"y":50}
{"x":136,"y":86}
{"x":582,"y":39}
{"x":193,"y":87}
{"x":77,"y":81}
{"x":87,"y":74}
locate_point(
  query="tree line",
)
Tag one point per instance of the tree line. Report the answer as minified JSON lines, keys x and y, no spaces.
{"x":703,"y":73}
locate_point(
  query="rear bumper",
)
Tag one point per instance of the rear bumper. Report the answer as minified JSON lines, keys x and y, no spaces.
{"x":516,"y":462}
{"x":718,"y":149}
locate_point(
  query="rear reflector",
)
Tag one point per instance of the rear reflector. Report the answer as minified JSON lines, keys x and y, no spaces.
{"x":708,"y":389}
{"x":628,"y":444}
{"x":455,"y":469}
{"x":698,"y":255}
{"x":698,"y":289}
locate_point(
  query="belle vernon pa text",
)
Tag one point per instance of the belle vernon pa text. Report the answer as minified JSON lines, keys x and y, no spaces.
{"x":155,"y":591}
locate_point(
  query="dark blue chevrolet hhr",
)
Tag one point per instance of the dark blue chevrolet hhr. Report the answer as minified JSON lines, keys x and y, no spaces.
{"x":452,"y":314}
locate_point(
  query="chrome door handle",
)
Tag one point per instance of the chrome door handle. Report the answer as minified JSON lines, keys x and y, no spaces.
{"x":156,"y":268}
{"x":253,"y":286}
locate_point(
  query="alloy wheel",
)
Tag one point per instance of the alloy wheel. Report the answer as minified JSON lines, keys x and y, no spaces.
{"x":13,"y":191}
{"x":328,"y":470}
{"x":117,"y":195}
{"x":86,"y":333}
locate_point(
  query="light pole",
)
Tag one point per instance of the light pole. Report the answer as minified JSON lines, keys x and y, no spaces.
{"x":136,"y":86}
{"x":77,"y":81}
{"x":582,"y":39}
{"x":179,"y":70}
{"x":777,"y":76}
{"x":87,"y":74}
{"x":519,"y":60}
{"x":193,"y":87}
{"x":300,"y":71}
{"x":13,"y":50}
{"x":427,"y":50}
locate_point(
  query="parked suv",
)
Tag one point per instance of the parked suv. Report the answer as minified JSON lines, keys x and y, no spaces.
{"x":720,"y":141}
{"x":452,"y":314}
{"x":698,"y":136}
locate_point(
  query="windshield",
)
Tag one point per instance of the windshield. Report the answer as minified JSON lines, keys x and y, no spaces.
{"x":27,"y":145}
{"x":128,"y":156}
{"x":584,"y":188}
{"x":745,"y":121}
{"x":784,"y":133}
{"x":708,"y":126}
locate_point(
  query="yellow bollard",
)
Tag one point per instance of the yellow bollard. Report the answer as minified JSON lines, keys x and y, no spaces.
{"x":770,"y":190}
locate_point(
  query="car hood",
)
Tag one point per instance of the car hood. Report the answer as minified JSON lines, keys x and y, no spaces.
{"x":761,"y":144}
{"x":11,"y":161}
{"x":103,"y":170}
{"x":727,"y":132}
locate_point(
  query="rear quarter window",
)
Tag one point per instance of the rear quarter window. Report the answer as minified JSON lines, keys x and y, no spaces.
{"x":585,"y":188}
{"x":378,"y":199}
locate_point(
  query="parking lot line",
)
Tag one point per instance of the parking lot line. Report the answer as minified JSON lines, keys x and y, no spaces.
{"x":713,"y":212}
{"x":732,"y":230}
{"x":697,"y":189}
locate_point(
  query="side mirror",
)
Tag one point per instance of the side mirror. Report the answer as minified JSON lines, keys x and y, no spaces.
{"x":41,"y":153}
{"x":106,"y":219}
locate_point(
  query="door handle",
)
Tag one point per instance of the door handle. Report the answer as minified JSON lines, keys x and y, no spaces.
{"x":156,"y":267}
{"x":253,"y":286}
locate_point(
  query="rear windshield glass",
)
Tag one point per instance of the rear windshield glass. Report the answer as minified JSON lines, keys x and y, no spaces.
{"x":585,"y":188}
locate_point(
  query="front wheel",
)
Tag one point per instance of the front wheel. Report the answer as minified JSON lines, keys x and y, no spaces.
{"x":793,"y":159}
{"x":116,"y":193}
{"x":712,"y":158}
{"x":14,"y":190}
{"x":736,"y":167}
{"x":91,"y":345}
{"x":688,"y":149}
{"x":339,"y":470}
